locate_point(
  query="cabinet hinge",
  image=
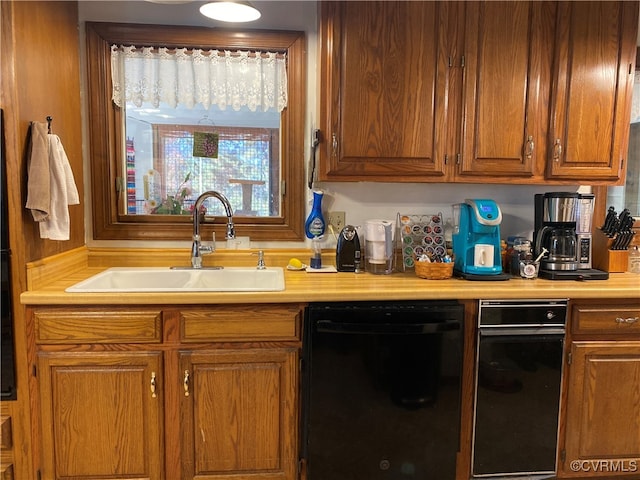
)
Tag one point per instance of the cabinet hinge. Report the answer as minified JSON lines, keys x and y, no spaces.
{"x":452,"y":61}
{"x":563,"y":456}
{"x":283,"y":187}
{"x":34,"y":371}
{"x":569,"y":358}
{"x":38,"y":475}
{"x":446,"y":158}
{"x":458,"y":158}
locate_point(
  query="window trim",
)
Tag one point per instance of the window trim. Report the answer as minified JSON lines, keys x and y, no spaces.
{"x":106,"y":148}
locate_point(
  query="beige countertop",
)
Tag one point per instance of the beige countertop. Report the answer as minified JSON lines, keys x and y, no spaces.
{"x":49,"y":278}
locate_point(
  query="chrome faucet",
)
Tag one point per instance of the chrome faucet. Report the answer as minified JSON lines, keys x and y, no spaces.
{"x":196,"y":248}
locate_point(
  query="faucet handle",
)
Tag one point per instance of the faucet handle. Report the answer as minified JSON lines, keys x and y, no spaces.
{"x":202,"y":248}
{"x":261,"y":265}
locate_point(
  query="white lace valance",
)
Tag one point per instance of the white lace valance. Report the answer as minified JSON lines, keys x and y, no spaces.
{"x":189,"y":77}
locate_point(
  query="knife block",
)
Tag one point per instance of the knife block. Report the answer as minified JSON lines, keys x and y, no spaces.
{"x":612,"y":261}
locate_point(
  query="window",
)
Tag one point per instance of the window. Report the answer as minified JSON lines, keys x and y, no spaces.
{"x":149,"y":163}
{"x":164,"y":176}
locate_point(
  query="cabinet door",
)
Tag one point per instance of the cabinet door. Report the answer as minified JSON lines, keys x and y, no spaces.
{"x":6,"y":442}
{"x":507,"y":70}
{"x":593,"y":81}
{"x":238,"y":414}
{"x":603,"y":411}
{"x":100,"y":416}
{"x":384,"y":68}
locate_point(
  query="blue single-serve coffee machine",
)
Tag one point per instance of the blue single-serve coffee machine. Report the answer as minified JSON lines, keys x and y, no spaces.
{"x":476,"y":238}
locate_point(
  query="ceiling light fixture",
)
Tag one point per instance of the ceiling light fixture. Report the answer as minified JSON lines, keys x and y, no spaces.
{"x":230,"y":11}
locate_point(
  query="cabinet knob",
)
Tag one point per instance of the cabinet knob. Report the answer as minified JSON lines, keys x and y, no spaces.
{"x":185,"y":383}
{"x":629,"y":320}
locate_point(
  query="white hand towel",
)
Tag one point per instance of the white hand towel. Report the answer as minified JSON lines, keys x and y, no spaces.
{"x":63,"y":193}
{"x":39,"y":177}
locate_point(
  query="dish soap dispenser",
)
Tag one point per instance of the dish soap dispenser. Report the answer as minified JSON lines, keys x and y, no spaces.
{"x":314,"y":226}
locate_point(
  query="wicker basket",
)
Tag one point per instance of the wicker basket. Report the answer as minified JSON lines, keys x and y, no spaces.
{"x":434,"y":270}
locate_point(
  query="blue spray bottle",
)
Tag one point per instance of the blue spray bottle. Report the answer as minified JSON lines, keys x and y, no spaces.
{"x":314,"y":226}
{"x":314,"y":229}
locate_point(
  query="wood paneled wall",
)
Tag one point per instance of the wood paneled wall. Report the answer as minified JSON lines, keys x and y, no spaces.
{"x":40,"y":76}
{"x":44,"y":79}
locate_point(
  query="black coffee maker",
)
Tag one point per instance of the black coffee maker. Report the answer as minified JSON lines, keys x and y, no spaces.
{"x":555,"y":223}
{"x":555,"y":231}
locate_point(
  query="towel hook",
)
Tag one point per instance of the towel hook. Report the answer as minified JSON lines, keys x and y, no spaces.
{"x":49,"y":120}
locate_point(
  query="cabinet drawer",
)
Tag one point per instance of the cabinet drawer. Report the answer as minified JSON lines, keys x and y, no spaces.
{"x":98,"y":326}
{"x":241,"y":324}
{"x":606,"y":319}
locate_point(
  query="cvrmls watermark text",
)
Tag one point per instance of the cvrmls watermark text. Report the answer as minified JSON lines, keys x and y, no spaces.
{"x":602,"y":466}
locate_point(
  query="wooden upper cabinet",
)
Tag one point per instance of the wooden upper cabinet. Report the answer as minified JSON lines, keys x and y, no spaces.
{"x":508,"y":54}
{"x":501,"y":92}
{"x":593,"y":81}
{"x":384,"y":90}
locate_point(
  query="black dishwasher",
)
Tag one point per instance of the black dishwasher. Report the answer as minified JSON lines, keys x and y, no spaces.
{"x":382,"y":390}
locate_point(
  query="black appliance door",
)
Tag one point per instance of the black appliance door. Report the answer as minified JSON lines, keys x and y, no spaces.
{"x":383,"y":395}
{"x":7,"y":368}
{"x":517,"y":402}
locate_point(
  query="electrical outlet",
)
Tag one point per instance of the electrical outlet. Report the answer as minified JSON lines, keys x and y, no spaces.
{"x":336,"y":220}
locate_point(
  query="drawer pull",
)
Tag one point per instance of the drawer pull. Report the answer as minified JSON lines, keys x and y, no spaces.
{"x":153,"y":385}
{"x":185,"y":383}
{"x":627,"y":320}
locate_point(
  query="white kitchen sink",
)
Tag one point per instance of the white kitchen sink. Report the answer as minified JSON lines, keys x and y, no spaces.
{"x":162,"y":279}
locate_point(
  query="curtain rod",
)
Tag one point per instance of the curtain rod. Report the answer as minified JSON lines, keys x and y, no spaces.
{"x":221,"y":52}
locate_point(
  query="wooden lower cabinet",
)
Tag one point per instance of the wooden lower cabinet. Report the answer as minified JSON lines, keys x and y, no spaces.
{"x":100,"y":415}
{"x":234,"y":418}
{"x":602,"y":409}
{"x":168,"y":402}
{"x":6,"y":442}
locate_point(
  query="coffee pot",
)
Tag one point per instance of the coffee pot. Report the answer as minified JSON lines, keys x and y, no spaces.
{"x":562,"y":245}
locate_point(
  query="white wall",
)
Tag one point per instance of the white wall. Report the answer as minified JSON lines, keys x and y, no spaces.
{"x":360,"y":201}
